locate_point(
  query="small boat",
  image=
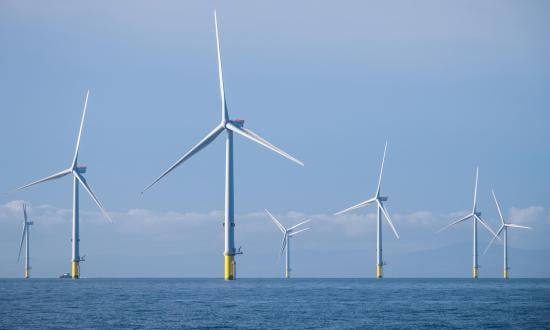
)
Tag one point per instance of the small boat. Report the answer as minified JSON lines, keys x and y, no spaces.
{"x":65,"y":275}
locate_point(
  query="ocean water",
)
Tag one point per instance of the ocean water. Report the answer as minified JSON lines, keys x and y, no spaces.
{"x":274,"y":303}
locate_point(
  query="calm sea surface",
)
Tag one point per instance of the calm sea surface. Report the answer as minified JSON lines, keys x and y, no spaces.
{"x":274,"y":303}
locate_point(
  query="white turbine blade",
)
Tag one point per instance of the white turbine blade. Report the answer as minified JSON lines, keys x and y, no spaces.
{"x":80,"y":130}
{"x":91,"y":193}
{"x":486,"y":226}
{"x":277,"y":223}
{"x":198,"y":147}
{"x":381,"y":170}
{"x":517,"y":226}
{"x":22,"y":239}
{"x":299,"y":231}
{"x":25,"y":212}
{"x":498,"y":207}
{"x":387,"y":215}
{"x":255,"y":137}
{"x":357,"y":206}
{"x":493,"y":239}
{"x":475,"y":191}
{"x":283,"y":244}
{"x":51,"y":177}
{"x":220,"y":72}
{"x":298,"y":225}
{"x":457,"y":221}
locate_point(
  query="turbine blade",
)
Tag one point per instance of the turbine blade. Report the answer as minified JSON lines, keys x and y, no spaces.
{"x":25,"y":212}
{"x":277,"y":223}
{"x":298,"y":225}
{"x":91,"y":193}
{"x":357,"y":206}
{"x":486,"y":226}
{"x":283,"y":244}
{"x":517,"y":226}
{"x":498,"y":207}
{"x":198,"y":147}
{"x":299,"y":231}
{"x":457,"y":221}
{"x":225,"y":115}
{"x":22,"y":239}
{"x":475,"y":191}
{"x":492,"y":240}
{"x":381,"y":170}
{"x":256,"y":138}
{"x":51,"y":177}
{"x":387,"y":215}
{"x":80,"y":130}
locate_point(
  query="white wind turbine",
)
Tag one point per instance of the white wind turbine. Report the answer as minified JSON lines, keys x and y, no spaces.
{"x":380,"y":209}
{"x":230,"y":127}
{"x":475,"y":215}
{"x":503,"y":229}
{"x":287,"y":234}
{"x":25,"y":238}
{"x":77,"y":172}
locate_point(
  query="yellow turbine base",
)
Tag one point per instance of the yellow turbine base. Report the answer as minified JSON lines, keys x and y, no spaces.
{"x":506,"y":274}
{"x":475,"y":272}
{"x":27,"y":274}
{"x":229,"y":268}
{"x":379,"y":272}
{"x":75,"y":270}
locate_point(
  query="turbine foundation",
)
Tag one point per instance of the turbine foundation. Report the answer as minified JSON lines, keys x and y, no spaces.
{"x":75,"y":270}
{"x":379,"y":271}
{"x":475,"y":272}
{"x":505,"y":274}
{"x":229,"y":268}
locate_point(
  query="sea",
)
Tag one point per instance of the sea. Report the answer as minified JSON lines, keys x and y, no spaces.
{"x":274,"y":303}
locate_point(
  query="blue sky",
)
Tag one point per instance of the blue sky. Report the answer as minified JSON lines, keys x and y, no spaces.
{"x":450,"y":85}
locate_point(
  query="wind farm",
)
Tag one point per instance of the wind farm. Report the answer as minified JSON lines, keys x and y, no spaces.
{"x":394,"y":107}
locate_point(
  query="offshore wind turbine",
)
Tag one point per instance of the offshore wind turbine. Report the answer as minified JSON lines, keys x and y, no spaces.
{"x":475,"y":215}
{"x":503,"y":229}
{"x":77,"y":172}
{"x":229,"y":126}
{"x":287,"y":234}
{"x":25,"y":238}
{"x":380,"y":209}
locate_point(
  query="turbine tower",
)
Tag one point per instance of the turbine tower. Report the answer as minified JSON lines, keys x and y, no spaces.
{"x":229,"y":126}
{"x":77,"y":172}
{"x":475,"y":215}
{"x":380,"y":209}
{"x":503,"y":229}
{"x":25,"y":238}
{"x":287,"y":234}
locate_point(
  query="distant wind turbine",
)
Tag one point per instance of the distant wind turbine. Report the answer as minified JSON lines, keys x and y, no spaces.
{"x":287,"y":234}
{"x":229,"y":126}
{"x":476,"y":216}
{"x":77,"y":173}
{"x":503,"y":229}
{"x":25,"y":238}
{"x":380,"y":209}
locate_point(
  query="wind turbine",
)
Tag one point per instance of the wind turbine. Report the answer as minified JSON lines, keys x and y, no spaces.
{"x":229,"y":126}
{"x":25,"y":238}
{"x":287,"y":234}
{"x":476,"y":216}
{"x":77,"y":172}
{"x":380,"y":209}
{"x":503,"y":229}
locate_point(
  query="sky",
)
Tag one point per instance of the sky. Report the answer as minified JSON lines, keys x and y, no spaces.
{"x":450,"y":85}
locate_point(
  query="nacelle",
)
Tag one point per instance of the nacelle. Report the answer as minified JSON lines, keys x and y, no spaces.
{"x":383,"y":199}
{"x":80,"y":169}
{"x":238,"y":122}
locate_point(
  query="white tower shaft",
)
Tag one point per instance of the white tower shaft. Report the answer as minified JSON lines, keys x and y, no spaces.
{"x":287,"y":268}
{"x":27,"y":253}
{"x":75,"y":268}
{"x":379,"y":262}
{"x":475,"y":269}
{"x":505,"y":236}
{"x":229,"y":221}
